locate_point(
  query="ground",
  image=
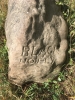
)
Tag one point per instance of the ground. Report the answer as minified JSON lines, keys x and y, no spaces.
{"x":62,"y":87}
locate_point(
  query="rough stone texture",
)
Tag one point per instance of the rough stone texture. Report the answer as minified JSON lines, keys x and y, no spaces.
{"x":36,"y":39}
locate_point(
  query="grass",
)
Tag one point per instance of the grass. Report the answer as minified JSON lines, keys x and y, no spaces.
{"x":53,"y":90}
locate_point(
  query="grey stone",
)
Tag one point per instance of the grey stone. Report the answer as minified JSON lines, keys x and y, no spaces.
{"x":36,"y":36}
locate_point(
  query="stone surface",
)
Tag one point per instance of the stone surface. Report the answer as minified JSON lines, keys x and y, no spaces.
{"x":36,"y":39}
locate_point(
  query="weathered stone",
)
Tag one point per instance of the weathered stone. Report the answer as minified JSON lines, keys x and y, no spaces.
{"x":36,"y":39}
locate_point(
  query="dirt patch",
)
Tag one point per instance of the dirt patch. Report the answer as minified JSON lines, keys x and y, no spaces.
{"x":68,"y":86}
